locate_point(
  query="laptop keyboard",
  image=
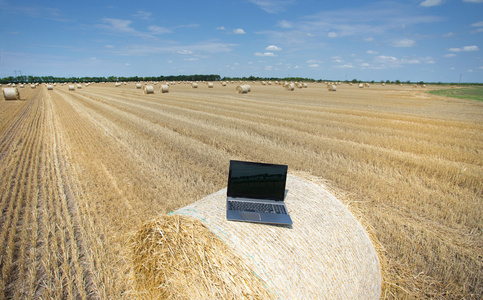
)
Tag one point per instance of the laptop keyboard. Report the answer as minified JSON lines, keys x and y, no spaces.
{"x":257,"y":207}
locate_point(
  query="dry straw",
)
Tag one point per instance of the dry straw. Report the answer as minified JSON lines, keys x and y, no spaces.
{"x":138,"y":86}
{"x":50,"y":87}
{"x":290,"y":87}
{"x":209,"y":85}
{"x":243,"y":89}
{"x":332,"y":87}
{"x":148,"y":89}
{"x":194,"y":85}
{"x":71,"y":87}
{"x":177,"y":257}
{"x":11,"y":93}
{"x":326,"y":254}
{"x":164,"y":88}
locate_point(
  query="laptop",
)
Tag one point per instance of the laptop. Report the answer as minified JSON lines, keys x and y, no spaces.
{"x":256,"y":193}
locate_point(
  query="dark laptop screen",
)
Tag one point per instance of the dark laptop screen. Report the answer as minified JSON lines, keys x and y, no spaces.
{"x":256,"y":180}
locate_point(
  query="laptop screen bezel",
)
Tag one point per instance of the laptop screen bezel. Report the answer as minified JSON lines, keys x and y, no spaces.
{"x":279,"y":197}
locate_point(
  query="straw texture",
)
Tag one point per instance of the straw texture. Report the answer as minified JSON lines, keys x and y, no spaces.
{"x":326,"y":254}
{"x":177,"y":257}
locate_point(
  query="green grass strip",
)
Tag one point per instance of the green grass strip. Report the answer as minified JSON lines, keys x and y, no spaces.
{"x":471,"y":93}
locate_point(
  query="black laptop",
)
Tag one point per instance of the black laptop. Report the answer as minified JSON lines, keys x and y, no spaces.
{"x":256,"y":193}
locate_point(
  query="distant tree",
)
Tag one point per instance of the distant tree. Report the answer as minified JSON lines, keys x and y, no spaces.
{"x":397,"y":81}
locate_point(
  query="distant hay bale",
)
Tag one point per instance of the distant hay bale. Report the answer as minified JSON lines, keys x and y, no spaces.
{"x":332,"y":87}
{"x":290,"y":86}
{"x":148,"y":89}
{"x":243,"y":89}
{"x":361,"y":85}
{"x":177,"y":257}
{"x":50,"y":87}
{"x":138,"y":86}
{"x":164,"y":88}
{"x":79,"y":86}
{"x":209,"y":85}
{"x":20,"y":86}
{"x":33,"y":86}
{"x":11,"y":93}
{"x":223,"y":83}
{"x":71,"y":87}
{"x":325,"y":254}
{"x":383,"y":84}
{"x":194,"y":85}
{"x":118,"y":84}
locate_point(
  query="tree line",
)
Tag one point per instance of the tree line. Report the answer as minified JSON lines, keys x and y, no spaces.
{"x":196,"y":77}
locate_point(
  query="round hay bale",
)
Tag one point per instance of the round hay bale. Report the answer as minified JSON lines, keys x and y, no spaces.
{"x":71,"y":87}
{"x":332,"y":88}
{"x":11,"y":93}
{"x":50,"y":87}
{"x":209,"y":85}
{"x":138,"y":86}
{"x":194,"y":85}
{"x":243,"y":89}
{"x":326,"y":254}
{"x":290,"y":87}
{"x":223,"y":83}
{"x":164,"y":88}
{"x":361,"y":85}
{"x":177,"y":257}
{"x":148,"y":89}
{"x":118,"y":84}
{"x":33,"y":86}
{"x":79,"y":86}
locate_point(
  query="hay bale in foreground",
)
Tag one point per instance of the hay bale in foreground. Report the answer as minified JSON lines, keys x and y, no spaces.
{"x":11,"y":93}
{"x":326,"y":254}
{"x":177,"y":257}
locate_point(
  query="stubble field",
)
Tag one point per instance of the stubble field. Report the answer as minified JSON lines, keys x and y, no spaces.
{"x":81,"y":170}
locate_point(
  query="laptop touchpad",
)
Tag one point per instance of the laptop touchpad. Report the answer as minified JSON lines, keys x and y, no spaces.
{"x":251,"y":216}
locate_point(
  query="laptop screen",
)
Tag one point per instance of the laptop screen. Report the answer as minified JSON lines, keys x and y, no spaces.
{"x":256,"y":180}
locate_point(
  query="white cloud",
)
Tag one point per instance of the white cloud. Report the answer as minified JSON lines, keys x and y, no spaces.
{"x":239,"y":31}
{"x":372,"y":52}
{"x":449,"y":55}
{"x":332,"y":34}
{"x":314,"y":66}
{"x":109,"y":46}
{"x":191,"y":59}
{"x":346,"y":66}
{"x":313,"y":61}
{"x":273,"y":48}
{"x":365,"y":65}
{"x":272,"y":6}
{"x":449,"y":34}
{"x":429,"y":3}
{"x":473,"y":1}
{"x":403,"y":43}
{"x":143,"y":15}
{"x":220,"y":28}
{"x":465,"y":48}
{"x":386,"y":59}
{"x":267,"y":54}
{"x":369,"y":39}
{"x":268,"y":68}
{"x":159,"y":30}
{"x":477,"y":24}
{"x":184,"y":52}
{"x":122,"y":27}
{"x":285,"y":24}
{"x":470,"y":48}
{"x":128,"y":64}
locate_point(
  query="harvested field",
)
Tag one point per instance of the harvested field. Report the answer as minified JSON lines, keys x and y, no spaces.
{"x":82,"y":170}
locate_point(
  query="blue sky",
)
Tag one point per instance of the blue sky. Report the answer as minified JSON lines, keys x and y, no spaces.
{"x":416,"y":40}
